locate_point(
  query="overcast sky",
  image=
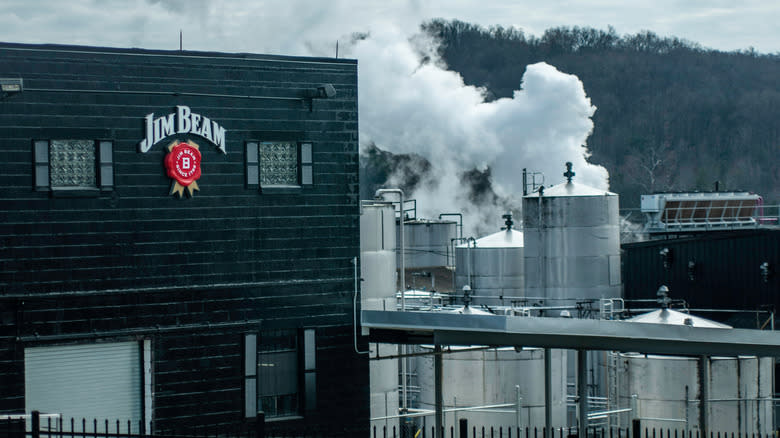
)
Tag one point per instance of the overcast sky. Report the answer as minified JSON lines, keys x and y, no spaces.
{"x":431,"y":112}
{"x":301,"y":27}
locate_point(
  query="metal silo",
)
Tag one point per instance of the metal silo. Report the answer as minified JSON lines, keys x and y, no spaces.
{"x":495,"y":379}
{"x":492,"y":266}
{"x":666,"y":391}
{"x":572,"y":243}
{"x":378,"y":272}
{"x":377,"y":252}
{"x":427,"y":242}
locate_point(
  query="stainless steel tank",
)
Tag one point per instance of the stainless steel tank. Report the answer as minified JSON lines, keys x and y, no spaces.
{"x":378,"y":292}
{"x":664,"y":391}
{"x":572,"y":244}
{"x":493,"y":267}
{"x":427,"y":242}
{"x":378,"y":258}
{"x":494,"y":377}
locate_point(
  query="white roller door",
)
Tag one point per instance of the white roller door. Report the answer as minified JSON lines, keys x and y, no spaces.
{"x":92,"y":381}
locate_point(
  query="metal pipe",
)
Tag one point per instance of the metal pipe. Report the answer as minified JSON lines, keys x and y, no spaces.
{"x":548,"y":390}
{"x":469,"y":262}
{"x":354,"y":309}
{"x":518,"y":406}
{"x":379,"y":193}
{"x":676,"y":420}
{"x":459,"y":226}
{"x":412,"y":412}
{"x":604,"y":414}
{"x":400,"y":193}
{"x":447,"y":351}
{"x":525,"y":182}
{"x":542,"y":265}
{"x":438,"y":364}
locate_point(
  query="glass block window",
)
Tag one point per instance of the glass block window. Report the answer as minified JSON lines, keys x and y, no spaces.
{"x":72,"y":163}
{"x":278,"y":163}
{"x":71,"y":166}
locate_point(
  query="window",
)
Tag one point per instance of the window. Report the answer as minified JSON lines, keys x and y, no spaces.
{"x":280,"y":378}
{"x":73,"y":165}
{"x":277,"y":373}
{"x":278,"y":164}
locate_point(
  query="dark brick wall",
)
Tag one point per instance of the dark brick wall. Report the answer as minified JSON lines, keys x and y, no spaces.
{"x":192,"y":274}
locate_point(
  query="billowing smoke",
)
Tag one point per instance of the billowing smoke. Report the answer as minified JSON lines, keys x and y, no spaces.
{"x":409,"y":103}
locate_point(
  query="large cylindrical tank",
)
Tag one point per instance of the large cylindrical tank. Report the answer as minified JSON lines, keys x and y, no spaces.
{"x":572,"y":244}
{"x":665,"y":391}
{"x":492,"y":377}
{"x":377,"y":253}
{"x":428,"y":242}
{"x":493,"y":267}
{"x":378,"y":290}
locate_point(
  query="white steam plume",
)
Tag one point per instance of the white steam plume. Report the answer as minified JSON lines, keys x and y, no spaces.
{"x":411,"y":106}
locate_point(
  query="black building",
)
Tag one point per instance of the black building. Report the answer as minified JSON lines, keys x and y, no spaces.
{"x":177,"y":232}
{"x":720,"y":270}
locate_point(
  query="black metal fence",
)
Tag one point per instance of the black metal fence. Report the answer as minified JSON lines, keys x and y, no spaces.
{"x":37,"y":425}
{"x":44,"y":426}
{"x":466,"y":430}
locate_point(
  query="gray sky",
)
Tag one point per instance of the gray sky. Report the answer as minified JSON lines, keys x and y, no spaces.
{"x":432,"y":112}
{"x":302,"y":27}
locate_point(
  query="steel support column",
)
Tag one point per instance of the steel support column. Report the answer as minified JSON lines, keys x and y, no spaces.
{"x":548,"y":392}
{"x":582,"y":392}
{"x":438,"y":369}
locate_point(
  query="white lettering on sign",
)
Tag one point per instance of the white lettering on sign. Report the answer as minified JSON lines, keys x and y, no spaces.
{"x":185,"y":122}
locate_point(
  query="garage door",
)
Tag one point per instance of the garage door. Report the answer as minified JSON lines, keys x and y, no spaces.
{"x":92,"y":381}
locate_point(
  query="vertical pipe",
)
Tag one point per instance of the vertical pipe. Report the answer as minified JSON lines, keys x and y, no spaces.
{"x":582,"y":391}
{"x":525,"y":182}
{"x":704,"y":394}
{"x":437,"y":377}
{"x":404,"y":359}
{"x":548,"y":390}
{"x":518,"y":406}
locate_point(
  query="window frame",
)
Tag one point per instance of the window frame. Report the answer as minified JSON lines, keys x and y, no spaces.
{"x":306,"y":370}
{"x":305,"y":166}
{"x":103,"y":165}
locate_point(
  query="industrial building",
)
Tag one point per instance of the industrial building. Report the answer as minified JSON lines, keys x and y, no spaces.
{"x":542,"y":331}
{"x":178,"y":238}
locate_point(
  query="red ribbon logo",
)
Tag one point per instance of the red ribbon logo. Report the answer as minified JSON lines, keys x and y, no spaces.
{"x":183,"y":166}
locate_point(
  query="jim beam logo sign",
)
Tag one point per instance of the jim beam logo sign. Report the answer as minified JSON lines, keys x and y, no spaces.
{"x":183,"y":161}
{"x":183,"y":166}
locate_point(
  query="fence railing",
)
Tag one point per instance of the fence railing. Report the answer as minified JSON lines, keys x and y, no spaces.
{"x":466,"y":430}
{"x":37,"y":425}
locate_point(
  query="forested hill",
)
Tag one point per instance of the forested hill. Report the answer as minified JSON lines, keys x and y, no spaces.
{"x":672,"y":116}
